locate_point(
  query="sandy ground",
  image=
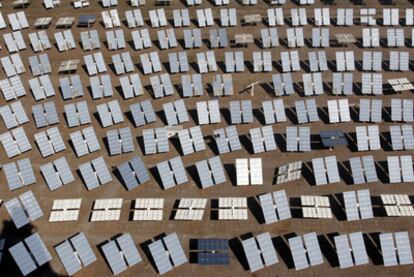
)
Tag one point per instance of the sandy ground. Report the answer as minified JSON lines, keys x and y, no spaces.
{"x":97,"y":233}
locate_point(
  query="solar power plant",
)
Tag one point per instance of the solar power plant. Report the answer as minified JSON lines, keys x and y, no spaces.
{"x":221,"y":121}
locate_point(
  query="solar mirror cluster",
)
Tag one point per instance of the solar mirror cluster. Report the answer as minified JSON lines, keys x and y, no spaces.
{"x":206,"y":137}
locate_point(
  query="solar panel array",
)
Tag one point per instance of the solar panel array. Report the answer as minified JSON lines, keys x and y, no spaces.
{"x":351,"y":250}
{"x":110,"y":113}
{"x":101,"y":86}
{"x":148,"y":209}
{"x":275,"y":206}
{"x":133,"y":173}
{"x":49,"y":142}
{"x":121,"y":253}
{"x":120,"y":141}
{"x":191,"y":140}
{"x":155,"y":140}
{"x":212,"y":252}
{"x":260,"y":252}
{"x":400,"y":169}
{"x":175,"y":112}
{"x":402,"y":137}
{"x":227,"y":139}
{"x":211,"y":172}
{"x":95,"y":173}
{"x":57,"y":173}
{"x":190,"y":209}
{"x":274,"y":111}
{"x":316,"y":206}
{"x":249,"y":172}
{"x":167,"y":253}
{"x":325,"y":170}
{"x":85,"y":141}
{"x":19,"y":174}
{"x":15,"y":142}
{"x":263,"y":139}
{"x":298,"y":139}
{"x":13,"y":115}
{"x":65,"y":210}
{"x":232,"y":208}
{"x":306,"y":111}
{"x":45,"y":114}
{"x":368,"y":138}
{"x":363,"y":169}
{"x":23,"y":209}
{"x":289,"y":172}
{"x":358,"y":205}
{"x":305,"y":251}
{"x":106,"y":209}
{"x":370,"y":110}
{"x":397,"y":205}
{"x":172,"y":172}
{"x":75,"y":253}
{"x":142,"y":113}
{"x":208,"y":112}
{"x":339,"y":111}
{"x":396,"y":249}
{"x":30,"y":254}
